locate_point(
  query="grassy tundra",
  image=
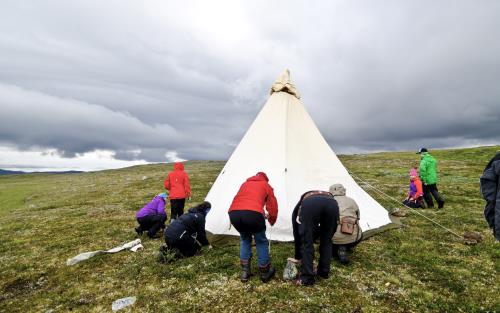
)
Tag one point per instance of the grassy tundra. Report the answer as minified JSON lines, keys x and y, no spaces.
{"x":46,"y":219}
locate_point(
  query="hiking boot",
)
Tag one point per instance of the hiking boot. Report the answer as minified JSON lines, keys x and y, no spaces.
{"x":440,"y":204}
{"x":300,"y":282}
{"x":266,"y":272}
{"x":139,"y":231}
{"x":343,"y":255}
{"x":245,"y":270}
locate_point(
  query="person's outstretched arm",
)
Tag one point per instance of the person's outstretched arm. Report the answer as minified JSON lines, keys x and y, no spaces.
{"x":202,"y":235}
{"x":187,"y":187}
{"x":167,"y":182}
{"x":271,"y":206}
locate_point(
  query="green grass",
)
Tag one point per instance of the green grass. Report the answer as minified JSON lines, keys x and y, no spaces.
{"x":46,"y":219}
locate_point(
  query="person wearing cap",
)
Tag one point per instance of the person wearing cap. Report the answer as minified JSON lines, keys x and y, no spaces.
{"x":247,"y":215}
{"x":490,"y":190}
{"x":415,"y":194}
{"x":428,"y":175}
{"x":316,"y":211}
{"x":348,"y":232}
{"x":177,"y":183}
{"x":186,"y":234}
{"x":152,"y":216}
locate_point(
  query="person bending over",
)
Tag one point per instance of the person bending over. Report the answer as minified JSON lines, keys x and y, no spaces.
{"x":348,"y":233}
{"x":315,"y":210}
{"x":247,"y":216}
{"x":152,"y":216}
{"x":186,"y":235}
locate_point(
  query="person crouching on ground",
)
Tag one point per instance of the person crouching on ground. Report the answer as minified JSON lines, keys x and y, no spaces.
{"x":315,"y":210}
{"x":348,"y":233}
{"x":247,"y":216}
{"x":152,"y":216}
{"x":186,"y":234}
{"x":415,"y":197}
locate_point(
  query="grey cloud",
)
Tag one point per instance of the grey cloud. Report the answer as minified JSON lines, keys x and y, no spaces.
{"x":34,"y":119}
{"x":190,"y":78}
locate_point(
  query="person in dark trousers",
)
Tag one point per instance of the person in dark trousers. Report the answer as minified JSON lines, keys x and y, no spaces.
{"x":177,"y":183}
{"x":186,"y":235}
{"x":490,"y":189}
{"x":248,"y":217}
{"x":428,"y":175}
{"x":315,"y":210}
{"x":152,"y":216}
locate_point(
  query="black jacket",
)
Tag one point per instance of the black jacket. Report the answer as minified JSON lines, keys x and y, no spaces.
{"x":490,"y":189}
{"x":188,"y":225}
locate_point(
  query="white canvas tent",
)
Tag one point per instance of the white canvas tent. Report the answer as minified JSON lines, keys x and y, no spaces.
{"x":284,"y":142}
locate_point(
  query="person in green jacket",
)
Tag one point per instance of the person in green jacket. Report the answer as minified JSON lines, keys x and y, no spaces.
{"x":428,"y":175}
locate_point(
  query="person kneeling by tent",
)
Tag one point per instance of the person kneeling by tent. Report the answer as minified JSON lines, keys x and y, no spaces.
{"x":348,"y":233}
{"x":152,"y":216}
{"x":314,"y":208}
{"x":186,"y":235}
{"x":247,"y":216}
{"x":415,"y":197}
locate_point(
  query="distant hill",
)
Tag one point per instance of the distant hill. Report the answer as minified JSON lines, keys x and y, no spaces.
{"x":7,"y":172}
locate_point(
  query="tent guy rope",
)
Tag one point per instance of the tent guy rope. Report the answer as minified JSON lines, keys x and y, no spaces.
{"x":399,"y":203}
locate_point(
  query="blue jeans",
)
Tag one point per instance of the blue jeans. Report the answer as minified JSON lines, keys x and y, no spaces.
{"x":261,"y":243}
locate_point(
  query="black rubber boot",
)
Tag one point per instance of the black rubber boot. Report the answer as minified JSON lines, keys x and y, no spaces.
{"x":139,"y":231}
{"x":343,"y":255}
{"x":245,"y":270}
{"x":267,"y":272}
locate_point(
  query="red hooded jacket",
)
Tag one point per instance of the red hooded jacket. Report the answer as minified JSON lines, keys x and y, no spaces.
{"x":177,"y":183}
{"x":254,"y":194}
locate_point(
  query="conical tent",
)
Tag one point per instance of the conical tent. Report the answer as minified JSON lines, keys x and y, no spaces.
{"x":284,"y":142}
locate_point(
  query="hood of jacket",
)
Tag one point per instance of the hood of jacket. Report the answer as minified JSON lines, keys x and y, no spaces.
{"x":260,"y":176}
{"x":202,"y":208}
{"x":337,"y":190}
{"x":178,"y":166}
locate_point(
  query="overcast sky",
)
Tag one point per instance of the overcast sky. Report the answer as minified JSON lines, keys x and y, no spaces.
{"x":102,"y":84}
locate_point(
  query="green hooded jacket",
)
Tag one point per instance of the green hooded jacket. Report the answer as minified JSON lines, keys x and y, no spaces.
{"x":428,"y":169}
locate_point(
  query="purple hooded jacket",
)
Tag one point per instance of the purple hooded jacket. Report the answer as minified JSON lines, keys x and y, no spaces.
{"x":154,"y":207}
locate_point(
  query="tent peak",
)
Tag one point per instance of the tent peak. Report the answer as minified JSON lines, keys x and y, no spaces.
{"x":283,"y":83}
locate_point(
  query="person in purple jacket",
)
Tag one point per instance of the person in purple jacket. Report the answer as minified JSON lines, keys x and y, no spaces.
{"x":152,"y":216}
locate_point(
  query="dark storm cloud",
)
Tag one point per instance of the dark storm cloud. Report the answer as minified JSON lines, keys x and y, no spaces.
{"x":150,"y":78}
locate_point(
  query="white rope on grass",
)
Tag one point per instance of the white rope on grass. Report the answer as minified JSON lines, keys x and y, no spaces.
{"x":399,"y":203}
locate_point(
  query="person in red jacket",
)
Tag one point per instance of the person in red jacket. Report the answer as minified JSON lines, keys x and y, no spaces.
{"x":177,"y":183}
{"x":248,"y":217}
{"x":415,"y":198}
